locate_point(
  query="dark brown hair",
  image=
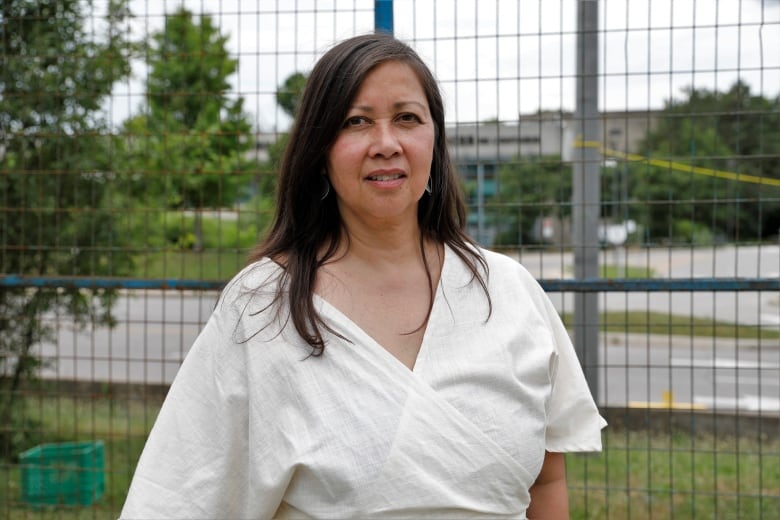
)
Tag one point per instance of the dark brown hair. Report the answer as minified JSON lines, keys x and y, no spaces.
{"x":304,"y":224}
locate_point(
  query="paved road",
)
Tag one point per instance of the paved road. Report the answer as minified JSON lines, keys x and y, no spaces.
{"x":705,"y":372}
{"x":156,"y":329}
{"x":750,"y":308}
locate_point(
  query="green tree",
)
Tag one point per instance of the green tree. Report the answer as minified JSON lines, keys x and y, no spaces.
{"x":289,"y":94}
{"x":188,"y":148}
{"x":55,"y":167}
{"x":528,"y":189}
{"x":733,"y":131}
{"x":288,"y":97}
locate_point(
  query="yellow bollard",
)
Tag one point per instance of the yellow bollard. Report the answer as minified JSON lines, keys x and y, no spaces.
{"x":667,"y":402}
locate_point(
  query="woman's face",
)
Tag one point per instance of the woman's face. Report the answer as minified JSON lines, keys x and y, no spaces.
{"x":380,"y":162}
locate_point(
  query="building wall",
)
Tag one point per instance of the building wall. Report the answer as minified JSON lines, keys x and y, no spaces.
{"x":480,"y":149}
{"x":545,"y":133}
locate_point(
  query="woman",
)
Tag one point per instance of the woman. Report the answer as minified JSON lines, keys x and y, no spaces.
{"x":371,"y":361}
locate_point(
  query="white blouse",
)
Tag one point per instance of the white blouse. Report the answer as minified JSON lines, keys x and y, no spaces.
{"x":254,"y":427}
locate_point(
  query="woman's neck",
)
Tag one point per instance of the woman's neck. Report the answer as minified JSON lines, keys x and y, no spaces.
{"x":390,"y":246}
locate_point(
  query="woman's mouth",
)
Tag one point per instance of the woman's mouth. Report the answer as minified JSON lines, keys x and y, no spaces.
{"x":384,"y":178}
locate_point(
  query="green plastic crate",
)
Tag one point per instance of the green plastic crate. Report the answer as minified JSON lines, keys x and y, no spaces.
{"x":68,"y":473}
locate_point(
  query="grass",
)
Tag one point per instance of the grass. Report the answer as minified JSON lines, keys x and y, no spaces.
{"x":625,"y":271}
{"x":222,"y":264}
{"x":122,"y":424}
{"x":644,"y":322}
{"x":639,"y":475}
{"x":217,"y":264}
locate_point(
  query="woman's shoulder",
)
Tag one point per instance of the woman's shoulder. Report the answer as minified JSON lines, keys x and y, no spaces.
{"x":254,"y":275}
{"x":502,"y":266}
{"x":251,"y":303}
{"x":503,"y":275}
{"x":507,"y":276}
{"x":258,"y":281}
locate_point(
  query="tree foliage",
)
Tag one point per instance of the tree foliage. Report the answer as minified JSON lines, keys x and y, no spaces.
{"x":55,"y":166}
{"x":528,"y":189}
{"x":289,"y":94}
{"x":188,"y":147}
{"x":733,"y":131}
{"x":288,"y":97}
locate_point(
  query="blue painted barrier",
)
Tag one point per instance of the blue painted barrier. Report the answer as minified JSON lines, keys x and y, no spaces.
{"x":550,"y":285}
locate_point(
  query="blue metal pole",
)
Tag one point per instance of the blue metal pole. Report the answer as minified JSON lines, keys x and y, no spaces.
{"x":383,"y":16}
{"x":586,"y":285}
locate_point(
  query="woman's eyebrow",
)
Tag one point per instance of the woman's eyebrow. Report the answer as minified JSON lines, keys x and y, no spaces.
{"x":396,"y":106}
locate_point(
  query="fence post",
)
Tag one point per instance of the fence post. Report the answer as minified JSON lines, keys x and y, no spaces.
{"x":383,"y":16}
{"x":585,"y":191}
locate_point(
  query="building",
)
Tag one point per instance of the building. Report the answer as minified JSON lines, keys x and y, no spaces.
{"x":479,"y":149}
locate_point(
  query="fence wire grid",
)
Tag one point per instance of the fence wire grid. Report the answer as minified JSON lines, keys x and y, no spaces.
{"x":138,"y":148}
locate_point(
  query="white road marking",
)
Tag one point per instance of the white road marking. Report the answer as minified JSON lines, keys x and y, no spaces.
{"x":753,"y":403}
{"x":720,"y":362}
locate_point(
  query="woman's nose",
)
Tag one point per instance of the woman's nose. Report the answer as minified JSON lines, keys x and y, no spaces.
{"x":385,"y":141}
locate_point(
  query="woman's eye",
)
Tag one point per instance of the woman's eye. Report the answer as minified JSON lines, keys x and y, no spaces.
{"x":408,"y":118}
{"x":355,"y":121}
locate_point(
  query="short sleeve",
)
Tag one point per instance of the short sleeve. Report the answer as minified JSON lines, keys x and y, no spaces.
{"x":573,"y":420}
{"x":194,"y":463}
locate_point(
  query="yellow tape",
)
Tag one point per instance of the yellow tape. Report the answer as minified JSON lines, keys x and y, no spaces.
{"x":678,"y":166}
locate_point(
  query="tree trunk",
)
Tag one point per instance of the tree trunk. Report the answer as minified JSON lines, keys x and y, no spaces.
{"x":10,"y":400}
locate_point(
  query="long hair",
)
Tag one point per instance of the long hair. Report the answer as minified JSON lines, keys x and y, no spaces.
{"x":305,"y":225}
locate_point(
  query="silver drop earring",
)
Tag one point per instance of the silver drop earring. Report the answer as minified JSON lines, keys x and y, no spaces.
{"x":326,"y":190}
{"x":428,"y":186}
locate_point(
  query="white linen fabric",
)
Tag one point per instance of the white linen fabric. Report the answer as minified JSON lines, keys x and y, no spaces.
{"x":255,"y":427}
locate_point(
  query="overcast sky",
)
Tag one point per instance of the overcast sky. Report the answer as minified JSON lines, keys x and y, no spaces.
{"x":494,"y":58}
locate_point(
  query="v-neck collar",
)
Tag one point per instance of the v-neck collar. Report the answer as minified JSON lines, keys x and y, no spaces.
{"x":364,"y":338}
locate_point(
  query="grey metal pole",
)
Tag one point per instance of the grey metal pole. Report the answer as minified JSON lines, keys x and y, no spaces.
{"x":586,"y":197}
{"x":481,"y":204}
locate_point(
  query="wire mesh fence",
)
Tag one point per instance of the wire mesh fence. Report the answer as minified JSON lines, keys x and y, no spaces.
{"x":138,"y":148}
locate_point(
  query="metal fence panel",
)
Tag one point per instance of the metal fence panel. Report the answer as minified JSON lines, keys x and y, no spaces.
{"x":133,"y":182}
